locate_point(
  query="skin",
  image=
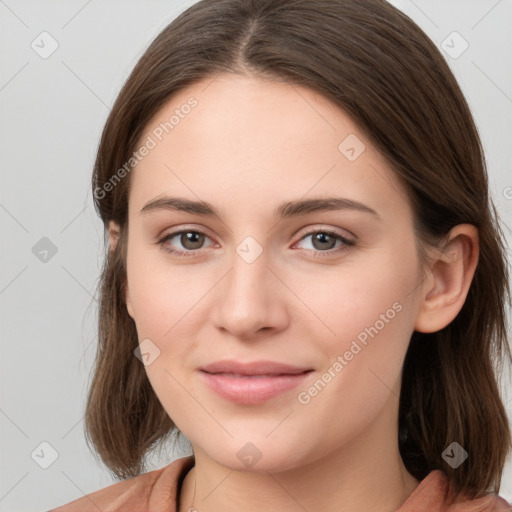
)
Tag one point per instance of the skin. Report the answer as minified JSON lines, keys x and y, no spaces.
{"x":247,"y":146}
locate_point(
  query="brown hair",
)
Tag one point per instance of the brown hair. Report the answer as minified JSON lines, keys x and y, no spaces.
{"x":380,"y":67}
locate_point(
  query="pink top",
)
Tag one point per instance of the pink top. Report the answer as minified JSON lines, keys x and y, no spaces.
{"x":158,"y":491}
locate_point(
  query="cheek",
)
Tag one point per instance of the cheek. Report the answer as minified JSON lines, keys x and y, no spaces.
{"x":357,"y":298}
{"x":367,"y":319}
{"x":162,"y":294}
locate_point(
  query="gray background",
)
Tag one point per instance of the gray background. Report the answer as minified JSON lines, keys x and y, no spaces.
{"x":52,"y":113}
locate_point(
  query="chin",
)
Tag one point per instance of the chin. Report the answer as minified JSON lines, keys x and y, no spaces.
{"x":256,"y":457}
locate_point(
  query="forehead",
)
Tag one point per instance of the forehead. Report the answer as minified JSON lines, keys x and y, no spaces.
{"x":261,"y":140}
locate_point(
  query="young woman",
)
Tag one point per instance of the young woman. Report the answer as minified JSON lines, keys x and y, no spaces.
{"x":305,"y":274}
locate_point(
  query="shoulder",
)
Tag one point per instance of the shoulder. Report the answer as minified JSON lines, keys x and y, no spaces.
{"x":157,"y":489}
{"x":429,"y":497}
{"x":491,"y":503}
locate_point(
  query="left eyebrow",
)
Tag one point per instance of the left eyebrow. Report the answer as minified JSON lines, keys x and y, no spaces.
{"x":323,"y":204}
{"x":284,"y":210}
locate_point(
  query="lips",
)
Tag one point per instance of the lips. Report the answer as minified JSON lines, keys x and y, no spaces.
{"x":252,"y":383}
{"x":253,"y":368}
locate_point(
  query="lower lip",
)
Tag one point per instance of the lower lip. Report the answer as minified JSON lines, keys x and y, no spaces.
{"x":251,"y":390}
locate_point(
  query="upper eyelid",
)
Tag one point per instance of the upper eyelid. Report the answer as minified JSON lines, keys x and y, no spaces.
{"x":309,"y":231}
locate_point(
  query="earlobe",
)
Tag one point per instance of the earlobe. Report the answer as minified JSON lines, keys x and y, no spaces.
{"x":445,"y":289}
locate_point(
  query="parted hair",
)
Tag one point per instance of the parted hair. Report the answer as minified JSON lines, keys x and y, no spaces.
{"x":377,"y":65}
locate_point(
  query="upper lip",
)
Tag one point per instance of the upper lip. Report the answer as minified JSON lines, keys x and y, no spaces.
{"x":253,"y":368}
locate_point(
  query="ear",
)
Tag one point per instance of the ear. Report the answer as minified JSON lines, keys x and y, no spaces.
{"x":450,"y":274}
{"x":114,"y":233}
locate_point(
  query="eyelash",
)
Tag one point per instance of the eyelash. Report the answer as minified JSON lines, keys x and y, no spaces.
{"x":186,"y":254}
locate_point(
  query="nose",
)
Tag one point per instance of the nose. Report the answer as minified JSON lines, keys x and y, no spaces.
{"x":251,"y":298}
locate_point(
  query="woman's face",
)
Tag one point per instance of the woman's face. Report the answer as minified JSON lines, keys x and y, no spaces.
{"x":257,"y":285}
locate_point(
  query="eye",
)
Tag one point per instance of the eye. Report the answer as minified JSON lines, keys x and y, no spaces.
{"x":191,"y":240}
{"x":324,"y":240}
